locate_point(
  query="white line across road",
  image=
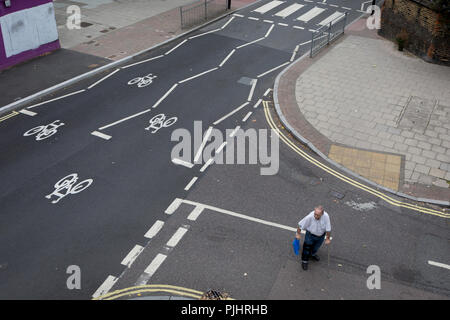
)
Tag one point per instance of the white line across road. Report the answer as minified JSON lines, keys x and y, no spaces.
{"x":268,"y":6}
{"x":234,"y":131}
{"x":132,"y":255}
{"x":269,"y":31}
{"x":182,"y":163}
{"x":249,"y":43}
{"x":105,"y":287}
{"x":273,"y":69}
{"x":227,"y":57}
{"x":28,"y":112}
{"x":173,"y":206}
{"x":257,"y":104}
{"x":252,"y":90}
{"x":231,"y":19}
{"x":178,"y":45}
{"x":173,"y":241}
{"x":221,"y":147}
{"x":198,"y":75}
{"x":247,"y":116}
{"x":153,"y":231}
{"x":231,"y":113}
{"x":103,"y":79}
{"x":155,"y":264}
{"x":165,"y":95}
{"x":190,"y":184}
{"x":101,"y":135}
{"x":143,"y":61}
{"x":334,"y":16}
{"x":202,"y":34}
{"x":206,"y":165}
{"x":439,"y":264}
{"x":200,"y":149}
{"x":54,"y":99}
{"x":289,"y":10}
{"x":122,"y":120}
{"x":310,"y":14}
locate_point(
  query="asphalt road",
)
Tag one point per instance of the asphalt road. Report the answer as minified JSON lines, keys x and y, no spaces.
{"x":133,"y":182}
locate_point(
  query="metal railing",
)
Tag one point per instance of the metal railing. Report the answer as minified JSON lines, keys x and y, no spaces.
{"x":327,"y":33}
{"x":200,"y":11}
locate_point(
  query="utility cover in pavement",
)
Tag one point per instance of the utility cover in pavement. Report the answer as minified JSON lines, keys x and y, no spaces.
{"x":417,"y":113}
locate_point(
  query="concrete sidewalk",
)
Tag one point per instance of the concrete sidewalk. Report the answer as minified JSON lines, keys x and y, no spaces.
{"x":380,"y":113}
{"x":110,"y":30}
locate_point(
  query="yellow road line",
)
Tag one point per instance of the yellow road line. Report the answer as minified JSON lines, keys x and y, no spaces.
{"x":180,"y":293}
{"x":345,"y":178}
{"x":148,"y":286}
{"x":10,"y":115}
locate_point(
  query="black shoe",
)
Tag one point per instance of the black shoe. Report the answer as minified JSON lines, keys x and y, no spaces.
{"x":305,"y":266}
{"x":315,"y":257}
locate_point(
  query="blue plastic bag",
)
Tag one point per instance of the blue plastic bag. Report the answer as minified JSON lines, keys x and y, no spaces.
{"x":296,"y":246}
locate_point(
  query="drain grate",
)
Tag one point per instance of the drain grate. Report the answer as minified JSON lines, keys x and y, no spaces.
{"x":416,"y":114}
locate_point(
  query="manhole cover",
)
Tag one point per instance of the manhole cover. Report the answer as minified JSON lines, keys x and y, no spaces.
{"x":417,"y":113}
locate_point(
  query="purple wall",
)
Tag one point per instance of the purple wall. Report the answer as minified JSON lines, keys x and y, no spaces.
{"x":17,"y":5}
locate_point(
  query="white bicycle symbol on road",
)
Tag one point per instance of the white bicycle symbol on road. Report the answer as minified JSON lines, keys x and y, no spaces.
{"x":142,"y":81}
{"x":44,"y":132}
{"x":67,"y":186}
{"x":159,"y":121}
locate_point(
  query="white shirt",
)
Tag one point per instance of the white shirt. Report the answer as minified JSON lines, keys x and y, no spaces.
{"x":316,"y":227}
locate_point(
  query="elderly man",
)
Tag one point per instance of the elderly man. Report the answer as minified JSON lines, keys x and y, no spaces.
{"x":317,"y":225}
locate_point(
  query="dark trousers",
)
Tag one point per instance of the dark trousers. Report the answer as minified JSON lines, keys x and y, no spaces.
{"x":311,"y":245}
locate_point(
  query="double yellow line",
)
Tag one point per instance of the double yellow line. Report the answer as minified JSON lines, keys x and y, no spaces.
{"x":136,"y":291}
{"x":10,"y":115}
{"x":344,"y":178}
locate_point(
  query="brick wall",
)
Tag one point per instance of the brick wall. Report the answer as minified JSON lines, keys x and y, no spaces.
{"x":428,"y":32}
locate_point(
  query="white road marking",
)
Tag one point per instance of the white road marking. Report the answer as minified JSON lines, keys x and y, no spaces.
{"x":268,"y":6}
{"x":231,"y":19}
{"x":247,"y":116}
{"x":206,"y":165}
{"x":238,"y":15}
{"x":252,"y":90}
{"x":101,"y":135}
{"x":105,"y":287}
{"x":310,"y":14}
{"x":153,"y":231}
{"x":257,"y":104}
{"x":234,"y":131}
{"x":132,"y":255}
{"x":221,"y":147}
{"x":28,"y":112}
{"x":312,"y":30}
{"x":143,"y":61}
{"x":190,"y":184}
{"x":346,"y":8}
{"x":332,"y":17}
{"x":267,"y":92}
{"x":199,"y":35}
{"x":227,"y":57}
{"x":165,"y":95}
{"x":301,"y":44}
{"x":336,"y":6}
{"x":438,"y":264}
{"x":269,"y":31}
{"x":273,"y":69}
{"x":124,"y":119}
{"x":268,"y":21}
{"x":231,"y":113}
{"x":198,"y":75}
{"x":102,"y":79}
{"x":51,"y":100}
{"x":249,"y":43}
{"x":182,"y":163}
{"x":195,"y":213}
{"x":253,"y":18}
{"x":173,"y":206}
{"x":297,"y":27}
{"x":173,"y":241}
{"x":283,"y":24}
{"x":178,"y":45}
{"x":294,"y":52}
{"x":362,"y":5}
{"x":200,"y":149}
{"x":155,"y":264}
{"x":289,"y":10}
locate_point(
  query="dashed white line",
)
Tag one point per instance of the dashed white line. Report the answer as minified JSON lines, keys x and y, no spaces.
{"x":132,"y":255}
{"x":231,"y":19}
{"x":267,"y":92}
{"x":439,"y":264}
{"x":102,"y":79}
{"x":298,"y":27}
{"x":273,"y":69}
{"x":252,"y":90}
{"x":199,"y":35}
{"x":105,"y":287}
{"x":165,"y":95}
{"x":249,"y":43}
{"x":333,"y":5}
{"x":173,"y":206}
{"x":234,"y":131}
{"x":198,"y":75}
{"x":124,"y":119}
{"x":268,"y":21}
{"x":182,"y":163}
{"x":54,"y":99}
{"x":153,"y":231}
{"x":206,"y":165}
{"x":190,"y":184}
{"x":231,"y":113}
{"x":143,"y":61}
{"x":238,"y":15}
{"x":28,"y":112}
{"x":200,"y":149}
{"x":195,"y":213}
{"x":173,"y":241}
{"x":257,"y":104}
{"x":227,"y":57}
{"x":177,"y":46}
{"x":221,"y":147}
{"x":346,"y":8}
{"x":283,"y":24}
{"x":154,"y":265}
{"x":247,"y":116}
{"x":253,"y":18}
{"x":269,"y":31}
{"x":101,"y":135}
